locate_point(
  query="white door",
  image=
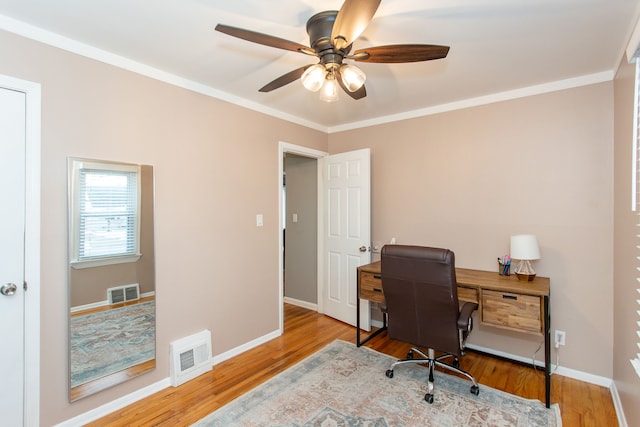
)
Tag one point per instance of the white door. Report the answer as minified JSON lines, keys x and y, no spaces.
{"x":347,"y":233}
{"x":12,"y":232}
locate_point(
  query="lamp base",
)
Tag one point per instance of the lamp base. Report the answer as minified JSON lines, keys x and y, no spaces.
{"x":525,"y":271}
{"x":526,"y":277}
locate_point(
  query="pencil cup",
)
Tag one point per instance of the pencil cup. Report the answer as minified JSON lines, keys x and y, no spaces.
{"x":504,"y":269}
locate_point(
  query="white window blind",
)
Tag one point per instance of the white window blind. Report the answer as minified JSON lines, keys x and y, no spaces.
{"x":105,"y":213}
{"x":108,"y":213}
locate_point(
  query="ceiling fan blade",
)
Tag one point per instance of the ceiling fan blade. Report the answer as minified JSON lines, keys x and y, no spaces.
{"x":400,"y":53}
{"x":265,"y":39}
{"x":353,"y":18}
{"x":284,"y":79}
{"x":358,"y":94}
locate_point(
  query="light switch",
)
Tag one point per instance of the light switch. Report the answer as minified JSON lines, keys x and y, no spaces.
{"x":295,"y":217}
{"x":259,"y":220}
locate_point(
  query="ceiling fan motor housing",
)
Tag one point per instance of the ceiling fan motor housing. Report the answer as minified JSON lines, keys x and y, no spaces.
{"x":319,"y":28}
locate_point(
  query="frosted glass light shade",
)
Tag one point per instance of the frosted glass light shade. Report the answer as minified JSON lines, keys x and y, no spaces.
{"x":313,"y":77}
{"x":329,"y":92}
{"x":524,"y":247}
{"x":352,"y":77}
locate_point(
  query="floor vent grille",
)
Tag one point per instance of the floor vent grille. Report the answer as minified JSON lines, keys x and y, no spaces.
{"x":124,"y":293}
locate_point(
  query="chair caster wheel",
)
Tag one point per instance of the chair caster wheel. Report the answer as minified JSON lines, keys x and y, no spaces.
{"x":428,"y":398}
{"x":456,"y":363}
{"x":410,"y":355}
{"x":389,"y":373}
{"x":475,"y":390}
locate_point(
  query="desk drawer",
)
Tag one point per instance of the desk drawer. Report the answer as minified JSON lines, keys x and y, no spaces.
{"x":371,"y":287}
{"x":468,"y":294}
{"x":512,"y":311}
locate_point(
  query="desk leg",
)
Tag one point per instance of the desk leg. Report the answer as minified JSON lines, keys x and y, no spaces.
{"x":373,"y":334}
{"x":547,"y":351}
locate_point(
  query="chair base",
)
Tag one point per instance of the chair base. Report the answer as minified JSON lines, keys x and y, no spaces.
{"x":432,"y":361}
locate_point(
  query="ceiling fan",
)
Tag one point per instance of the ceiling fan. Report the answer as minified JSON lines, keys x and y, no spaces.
{"x":331,"y":36}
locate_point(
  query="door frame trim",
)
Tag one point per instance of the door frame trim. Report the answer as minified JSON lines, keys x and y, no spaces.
{"x":283,"y":148}
{"x":33,"y":93}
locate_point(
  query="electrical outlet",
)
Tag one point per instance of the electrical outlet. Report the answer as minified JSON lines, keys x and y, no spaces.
{"x":559,"y":338}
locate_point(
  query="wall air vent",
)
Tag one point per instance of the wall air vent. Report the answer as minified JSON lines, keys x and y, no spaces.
{"x":190,"y":357}
{"x":123,"y":293}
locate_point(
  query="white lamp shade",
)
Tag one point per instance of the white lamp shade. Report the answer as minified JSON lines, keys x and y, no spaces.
{"x":352,"y":77}
{"x":524,"y":247}
{"x":313,"y":77}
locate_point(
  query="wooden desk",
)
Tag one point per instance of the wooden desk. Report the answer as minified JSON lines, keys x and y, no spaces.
{"x":503,"y":302}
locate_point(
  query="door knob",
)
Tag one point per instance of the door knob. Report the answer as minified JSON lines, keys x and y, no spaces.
{"x":363,"y":249}
{"x":8,"y":289}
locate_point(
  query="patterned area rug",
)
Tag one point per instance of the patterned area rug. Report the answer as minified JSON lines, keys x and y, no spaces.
{"x":343,"y":385}
{"x":110,"y":341}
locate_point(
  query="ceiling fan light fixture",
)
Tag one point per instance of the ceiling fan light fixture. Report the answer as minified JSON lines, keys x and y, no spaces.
{"x":352,"y":77}
{"x":314,"y":77}
{"x":329,"y":92}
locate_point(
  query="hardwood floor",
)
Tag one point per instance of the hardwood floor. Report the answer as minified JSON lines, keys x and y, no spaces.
{"x":581,"y":404}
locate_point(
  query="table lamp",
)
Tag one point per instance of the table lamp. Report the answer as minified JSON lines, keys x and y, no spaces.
{"x":524,"y":247}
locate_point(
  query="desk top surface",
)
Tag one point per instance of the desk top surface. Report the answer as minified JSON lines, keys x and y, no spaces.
{"x":487,"y":280}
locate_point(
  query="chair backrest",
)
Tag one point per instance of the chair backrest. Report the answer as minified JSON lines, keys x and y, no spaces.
{"x":421,"y":294}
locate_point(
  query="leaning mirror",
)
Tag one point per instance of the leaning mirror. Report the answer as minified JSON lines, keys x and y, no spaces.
{"x":111,"y":274}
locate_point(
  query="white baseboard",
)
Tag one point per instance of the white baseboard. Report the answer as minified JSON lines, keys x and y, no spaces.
{"x":377,"y":323}
{"x":583,"y":376}
{"x":617,"y":404}
{"x":104,"y":303}
{"x":114,"y":405}
{"x":244,"y":347}
{"x":299,"y":303}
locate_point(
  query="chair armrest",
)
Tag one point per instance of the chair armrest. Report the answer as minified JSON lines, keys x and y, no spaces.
{"x":465,"y":315}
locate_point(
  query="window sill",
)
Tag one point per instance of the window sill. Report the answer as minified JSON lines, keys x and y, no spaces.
{"x":78,"y":265}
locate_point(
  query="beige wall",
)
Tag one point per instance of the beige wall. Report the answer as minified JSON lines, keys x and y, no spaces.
{"x":625,"y":250}
{"x":468,"y":179}
{"x":216,"y":167}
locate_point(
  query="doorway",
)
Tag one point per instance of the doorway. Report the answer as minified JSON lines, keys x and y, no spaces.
{"x":308,"y":158}
{"x":344,"y":213}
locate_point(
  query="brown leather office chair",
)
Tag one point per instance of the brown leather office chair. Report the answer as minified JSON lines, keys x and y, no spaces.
{"x":421,"y":295}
